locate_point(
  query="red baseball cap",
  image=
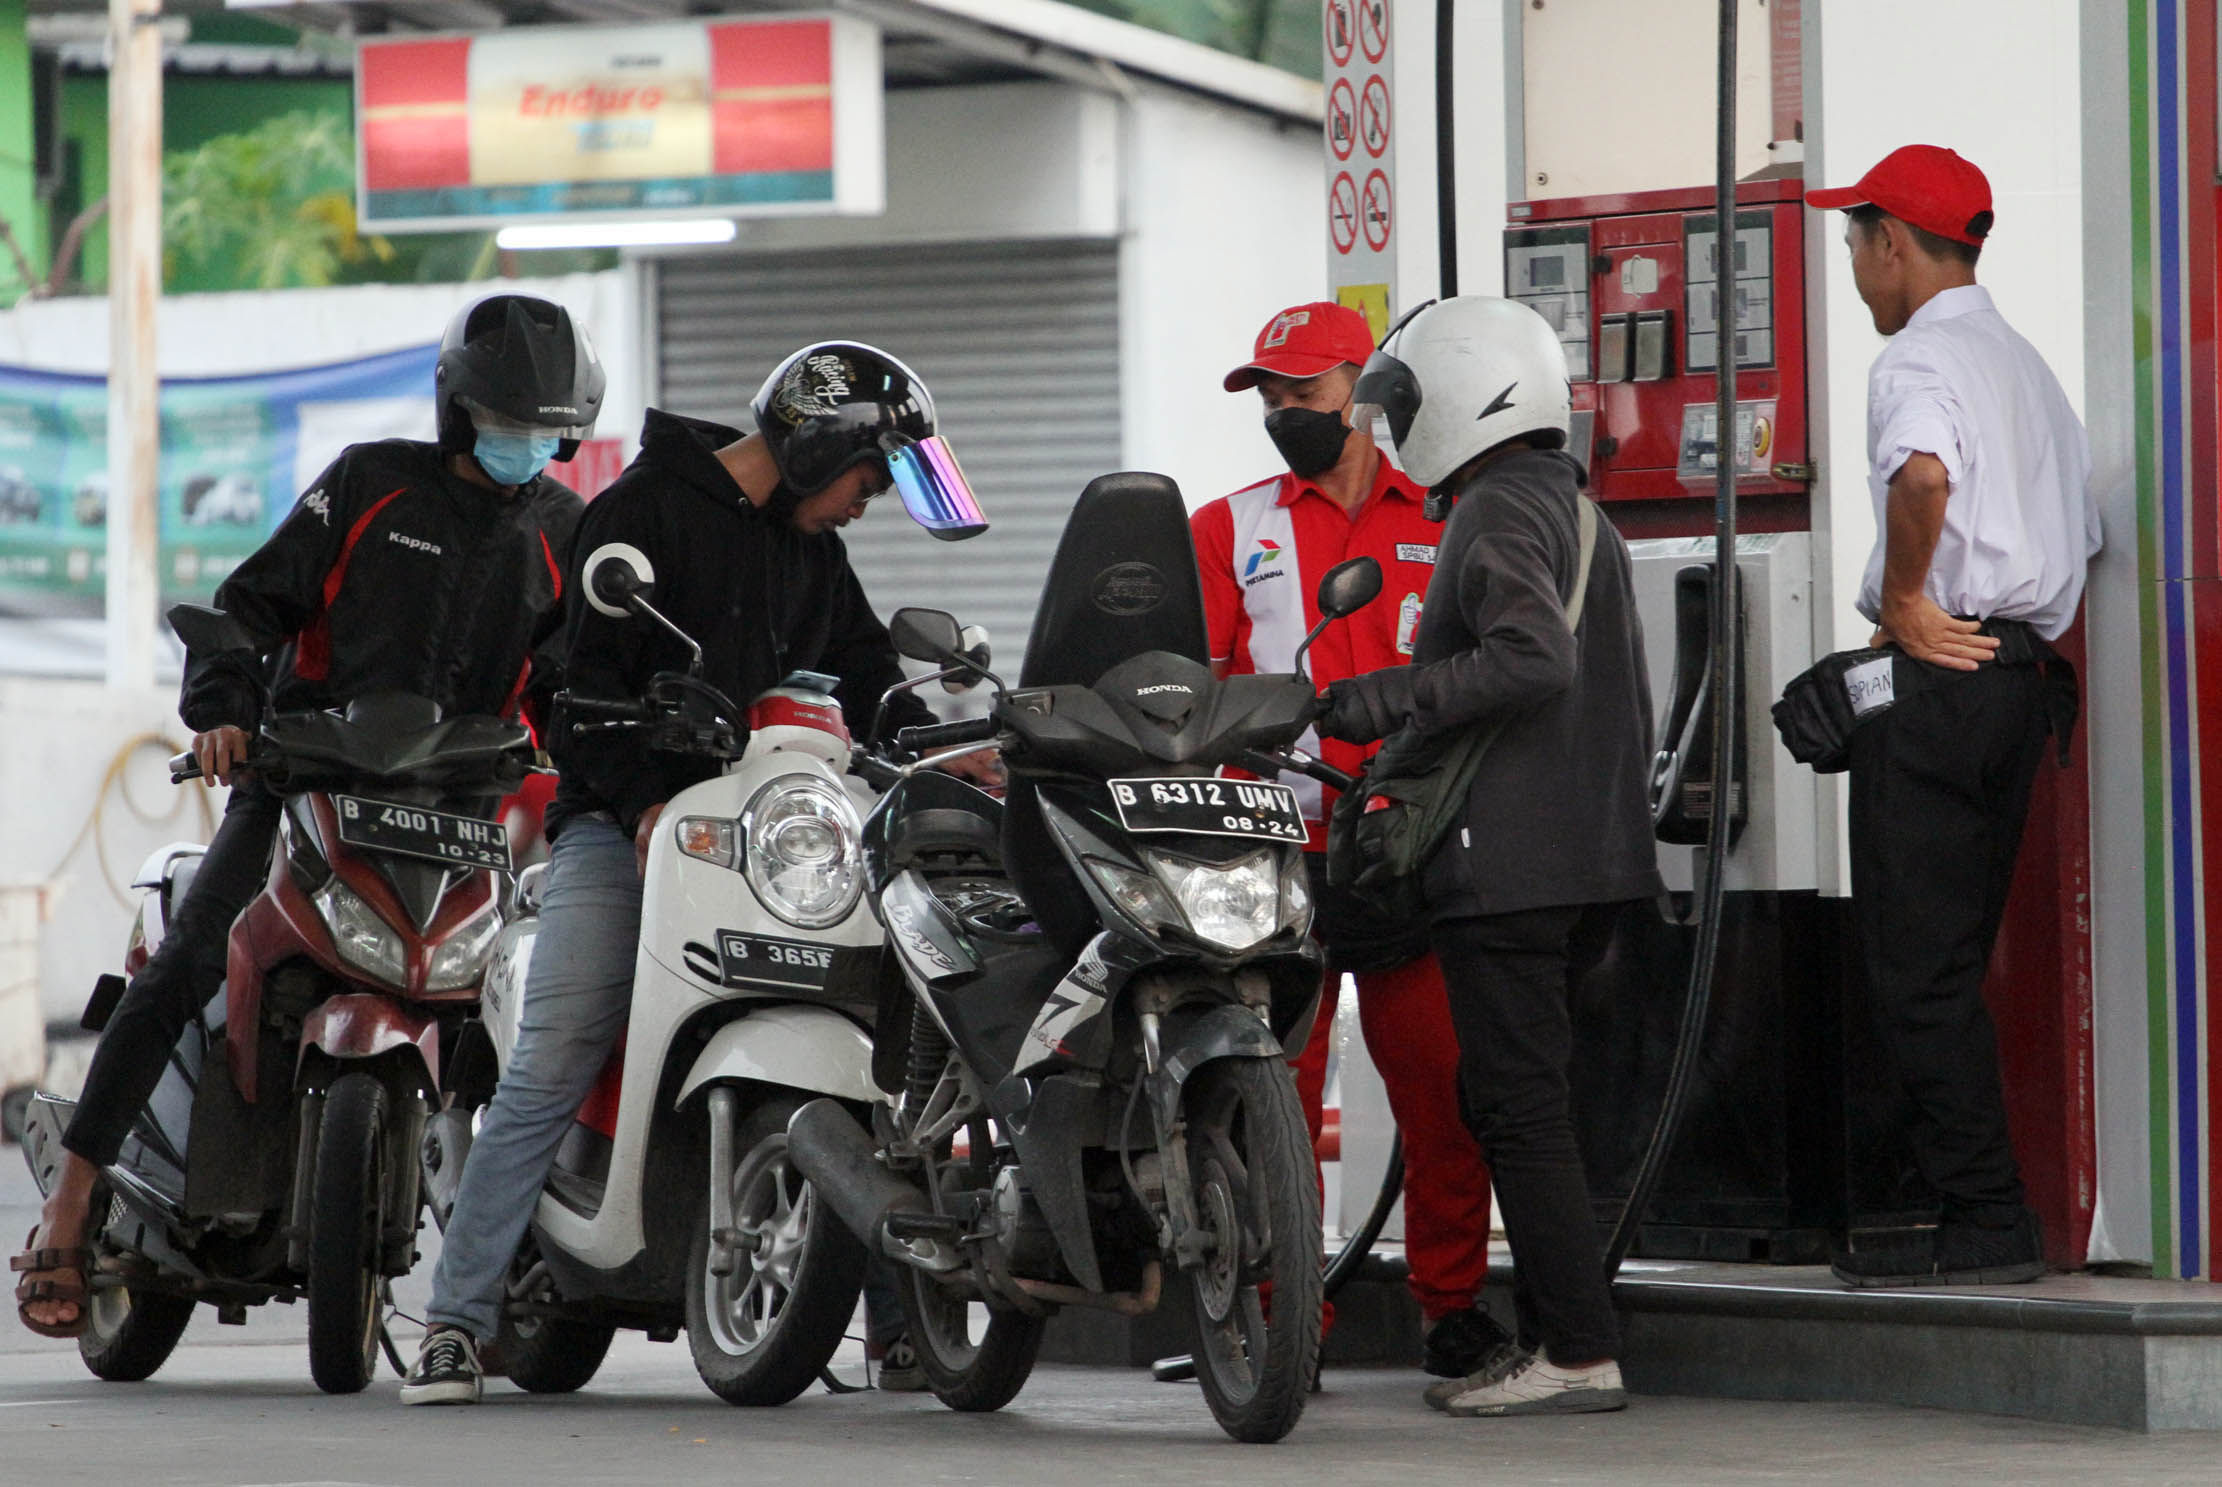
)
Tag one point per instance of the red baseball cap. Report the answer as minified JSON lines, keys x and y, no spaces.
{"x":1926,"y":185}
{"x":1303,"y":341}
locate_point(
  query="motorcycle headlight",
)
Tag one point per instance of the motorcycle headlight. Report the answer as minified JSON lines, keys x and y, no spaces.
{"x":363,"y":940}
{"x":800,"y":836}
{"x":1138,"y":894}
{"x":1296,"y":902}
{"x":1234,"y":905}
{"x":462,"y":956}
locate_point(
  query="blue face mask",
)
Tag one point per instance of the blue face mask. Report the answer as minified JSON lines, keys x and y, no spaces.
{"x":513,"y":459}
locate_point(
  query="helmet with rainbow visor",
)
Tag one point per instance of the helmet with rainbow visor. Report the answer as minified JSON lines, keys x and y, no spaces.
{"x":836,"y":404}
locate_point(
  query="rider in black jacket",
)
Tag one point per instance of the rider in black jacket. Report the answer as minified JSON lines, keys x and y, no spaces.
{"x":411,"y":567}
{"x":741,"y":532}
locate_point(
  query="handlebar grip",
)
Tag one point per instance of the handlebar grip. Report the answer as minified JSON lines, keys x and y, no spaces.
{"x":183,"y":767}
{"x":927,"y":737}
{"x":610,"y":706}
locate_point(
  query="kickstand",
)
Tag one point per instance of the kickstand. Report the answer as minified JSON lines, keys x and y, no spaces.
{"x":1178,"y":1369}
{"x":835,"y":1385}
{"x":393,"y":1354}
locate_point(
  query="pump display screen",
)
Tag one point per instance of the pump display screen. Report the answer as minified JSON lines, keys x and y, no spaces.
{"x":1547,"y":269}
{"x":1753,"y":282}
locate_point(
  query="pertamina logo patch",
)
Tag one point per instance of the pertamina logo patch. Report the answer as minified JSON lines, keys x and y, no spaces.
{"x":1260,"y":567}
{"x":1277,"y":333}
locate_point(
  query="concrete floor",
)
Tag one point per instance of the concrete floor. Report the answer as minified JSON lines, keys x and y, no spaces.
{"x":235,"y":1406}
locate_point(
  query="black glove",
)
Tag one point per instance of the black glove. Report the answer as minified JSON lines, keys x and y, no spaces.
{"x":1360,"y":709}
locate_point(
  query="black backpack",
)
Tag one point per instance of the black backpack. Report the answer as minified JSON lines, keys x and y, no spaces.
{"x":1385,"y":827}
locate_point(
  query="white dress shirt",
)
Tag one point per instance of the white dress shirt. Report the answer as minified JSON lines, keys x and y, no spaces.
{"x":1959,"y":383}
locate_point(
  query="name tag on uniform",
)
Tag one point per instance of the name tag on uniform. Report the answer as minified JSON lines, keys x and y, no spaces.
{"x":1870,"y":686}
{"x":1415,"y":552}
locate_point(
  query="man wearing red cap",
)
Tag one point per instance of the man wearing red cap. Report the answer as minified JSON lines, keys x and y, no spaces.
{"x":1980,"y":473}
{"x":1262,"y":551}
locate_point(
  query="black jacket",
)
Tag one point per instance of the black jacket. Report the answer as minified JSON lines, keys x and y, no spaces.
{"x":392,"y":574}
{"x":1560,"y":811}
{"x":762,"y":599}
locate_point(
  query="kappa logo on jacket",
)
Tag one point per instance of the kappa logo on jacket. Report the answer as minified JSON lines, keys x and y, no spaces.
{"x":416,"y":542}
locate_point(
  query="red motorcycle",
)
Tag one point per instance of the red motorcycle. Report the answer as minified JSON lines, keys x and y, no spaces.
{"x":278,"y":1158}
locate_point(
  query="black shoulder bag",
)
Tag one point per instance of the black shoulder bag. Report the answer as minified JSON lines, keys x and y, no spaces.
{"x":1387,"y":825}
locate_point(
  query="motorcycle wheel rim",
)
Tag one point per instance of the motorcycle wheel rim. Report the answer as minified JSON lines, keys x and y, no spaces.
{"x":773,"y":1206}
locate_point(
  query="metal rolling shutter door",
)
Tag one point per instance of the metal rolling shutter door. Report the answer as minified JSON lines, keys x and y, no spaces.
{"x":1019,"y":343}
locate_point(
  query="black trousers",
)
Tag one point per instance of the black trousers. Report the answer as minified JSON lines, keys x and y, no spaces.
{"x":1940,"y":788}
{"x":180,"y":976}
{"x":1509,"y":976}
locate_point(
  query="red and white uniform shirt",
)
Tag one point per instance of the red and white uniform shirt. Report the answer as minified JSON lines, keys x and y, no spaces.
{"x":1262,"y":552}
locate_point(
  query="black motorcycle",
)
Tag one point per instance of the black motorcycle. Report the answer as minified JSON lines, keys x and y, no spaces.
{"x":1099,"y":977}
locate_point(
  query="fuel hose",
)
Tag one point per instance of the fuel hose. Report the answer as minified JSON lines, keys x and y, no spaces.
{"x":1723,"y":661}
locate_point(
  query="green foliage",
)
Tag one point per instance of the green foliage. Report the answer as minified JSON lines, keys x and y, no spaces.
{"x":271,"y":207}
{"x":1280,"y":33}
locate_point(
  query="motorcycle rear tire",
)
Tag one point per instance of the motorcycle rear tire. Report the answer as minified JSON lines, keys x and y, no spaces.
{"x":346,"y":1226}
{"x":975,"y":1377}
{"x":807,"y":1275}
{"x":131,"y":1334}
{"x":544,"y":1355}
{"x":1248,"y":1150}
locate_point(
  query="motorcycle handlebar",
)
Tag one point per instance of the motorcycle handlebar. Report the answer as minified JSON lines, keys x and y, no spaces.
{"x":184,"y":767}
{"x":927,"y":737}
{"x":1270,"y":764}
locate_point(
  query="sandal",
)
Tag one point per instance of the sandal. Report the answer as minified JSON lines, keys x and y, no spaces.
{"x":29,"y":1292}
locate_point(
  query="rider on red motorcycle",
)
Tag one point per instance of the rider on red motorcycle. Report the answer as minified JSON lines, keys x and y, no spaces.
{"x":426,"y":568}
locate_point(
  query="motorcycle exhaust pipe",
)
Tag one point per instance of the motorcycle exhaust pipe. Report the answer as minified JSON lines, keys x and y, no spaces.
{"x":836,"y":1155}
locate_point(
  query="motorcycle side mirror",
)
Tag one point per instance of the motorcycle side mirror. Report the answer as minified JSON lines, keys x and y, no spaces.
{"x":618,"y":578}
{"x":1349,"y":587}
{"x":209,"y":632}
{"x":925,"y":634}
{"x":973,"y":651}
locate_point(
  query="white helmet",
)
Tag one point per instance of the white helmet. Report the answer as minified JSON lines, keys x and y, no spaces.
{"x":1457,"y":377}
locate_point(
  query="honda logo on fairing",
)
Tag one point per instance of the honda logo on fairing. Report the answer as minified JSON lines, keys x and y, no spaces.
{"x":1164,"y":687}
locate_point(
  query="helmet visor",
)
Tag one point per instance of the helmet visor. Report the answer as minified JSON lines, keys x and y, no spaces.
{"x":486,"y":421}
{"x":1386,"y":394}
{"x":933,"y":487}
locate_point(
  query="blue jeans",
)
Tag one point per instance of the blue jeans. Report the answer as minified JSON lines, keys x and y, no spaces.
{"x":577,"y":994}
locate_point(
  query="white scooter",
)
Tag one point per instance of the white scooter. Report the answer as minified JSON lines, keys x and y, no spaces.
{"x":672,"y":1202}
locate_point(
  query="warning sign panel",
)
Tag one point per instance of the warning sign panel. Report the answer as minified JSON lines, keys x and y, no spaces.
{"x":1361,"y":165}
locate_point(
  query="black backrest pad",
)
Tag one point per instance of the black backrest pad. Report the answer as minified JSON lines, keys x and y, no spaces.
{"x":1123,"y":582}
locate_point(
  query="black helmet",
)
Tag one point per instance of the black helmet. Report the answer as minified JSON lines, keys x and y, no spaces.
{"x":827,"y":407}
{"x":524,"y":362}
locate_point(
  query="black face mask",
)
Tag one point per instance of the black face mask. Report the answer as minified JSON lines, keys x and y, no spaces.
{"x":1309,"y":440}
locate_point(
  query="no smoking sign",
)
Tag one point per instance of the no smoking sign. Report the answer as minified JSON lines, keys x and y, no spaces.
{"x":1342,"y":212}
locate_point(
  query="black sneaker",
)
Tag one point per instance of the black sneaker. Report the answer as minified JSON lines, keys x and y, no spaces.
{"x":1464,"y":1343}
{"x":1958,"y":1252}
{"x":446,"y":1370}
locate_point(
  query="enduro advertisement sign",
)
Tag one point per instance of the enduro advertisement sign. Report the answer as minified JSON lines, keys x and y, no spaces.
{"x":236,"y":452}
{"x":726,"y":118}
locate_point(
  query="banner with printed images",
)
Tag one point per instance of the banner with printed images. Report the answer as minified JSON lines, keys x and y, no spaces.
{"x":236,"y":452}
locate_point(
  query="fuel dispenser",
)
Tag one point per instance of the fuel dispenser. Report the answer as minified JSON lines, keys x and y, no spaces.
{"x":1778,"y":1148}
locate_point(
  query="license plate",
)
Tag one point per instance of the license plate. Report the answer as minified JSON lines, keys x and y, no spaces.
{"x":744,"y":958}
{"x":418,"y":831}
{"x":1210,"y":807}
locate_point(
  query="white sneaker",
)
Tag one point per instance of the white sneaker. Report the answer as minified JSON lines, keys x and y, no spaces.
{"x":1505,"y":1359}
{"x":1541,"y":1387}
{"x":446,"y":1370}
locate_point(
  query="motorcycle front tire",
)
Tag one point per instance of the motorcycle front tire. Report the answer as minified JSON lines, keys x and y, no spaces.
{"x":761,"y":1334}
{"x":1251,"y":1162}
{"x":347,"y":1223}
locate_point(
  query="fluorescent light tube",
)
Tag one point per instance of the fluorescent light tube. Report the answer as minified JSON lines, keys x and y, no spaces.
{"x":616,"y":234}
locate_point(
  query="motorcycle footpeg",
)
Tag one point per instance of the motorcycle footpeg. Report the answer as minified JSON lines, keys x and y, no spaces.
{"x":924,"y":1226}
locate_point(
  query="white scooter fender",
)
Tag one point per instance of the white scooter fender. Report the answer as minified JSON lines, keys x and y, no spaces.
{"x":799,"y":1047}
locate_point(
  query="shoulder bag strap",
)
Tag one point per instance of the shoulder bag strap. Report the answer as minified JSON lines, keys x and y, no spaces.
{"x":1587,"y":517}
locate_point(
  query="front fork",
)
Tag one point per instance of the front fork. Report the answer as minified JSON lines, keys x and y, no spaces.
{"x":726,"y":1242}
{"x":1181,"y":1232}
